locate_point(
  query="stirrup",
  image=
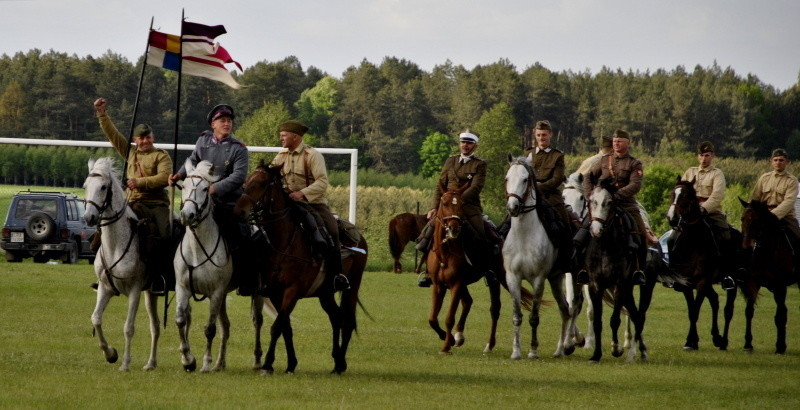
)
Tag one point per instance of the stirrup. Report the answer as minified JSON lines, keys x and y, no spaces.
{"x":425,"y":281}
{"x":639,"y":278}
{"x":582,"y":278}
{"x":728,"y":283}
{"x":341,"y":283}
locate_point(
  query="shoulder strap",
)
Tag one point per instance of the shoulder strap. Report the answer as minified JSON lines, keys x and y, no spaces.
{"x":309,"y":177}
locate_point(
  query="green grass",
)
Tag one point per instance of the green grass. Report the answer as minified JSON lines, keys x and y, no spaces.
{"x":49,"y":358}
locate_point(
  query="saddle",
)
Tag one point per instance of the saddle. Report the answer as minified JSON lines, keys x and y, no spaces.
{"x":557,"y":230}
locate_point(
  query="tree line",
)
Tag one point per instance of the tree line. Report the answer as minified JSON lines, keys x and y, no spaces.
{"x":402,"y":118}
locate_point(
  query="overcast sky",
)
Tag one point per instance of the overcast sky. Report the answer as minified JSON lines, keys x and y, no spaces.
{"x":756,"y":37}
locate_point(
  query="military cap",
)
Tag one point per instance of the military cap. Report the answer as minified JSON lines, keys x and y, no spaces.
{"x":605,"y":141}
{"x":622,"y":134}
{"x":780,"y":152}
{"x":296,"y":127}
{"x":468,"y":136}
{"x":543,"y":125}
{"x":704,"y":147}
{"x":142,"y":130}
{"x":221,"y":110}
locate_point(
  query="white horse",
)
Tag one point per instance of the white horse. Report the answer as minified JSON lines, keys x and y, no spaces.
{"x":118,"y":267}
{"x":203,"y":266}
{"x":529,"y":254}
{"x":577,"y":295}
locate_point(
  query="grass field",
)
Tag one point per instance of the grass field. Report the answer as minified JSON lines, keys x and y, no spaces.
{"x":49,"y":358}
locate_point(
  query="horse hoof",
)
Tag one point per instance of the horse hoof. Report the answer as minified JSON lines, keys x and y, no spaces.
{"x":515,"y":356}
{"x":113,"y":357}
{"x":459,"y":339}
{"x":445,"y":352}
{"x":148,"y":367}
{"x":488,"y":349}
{"x":616,"y":353}
{"x":594,"y":361}
{"x":290,"y":372}
{"x":689,"y":348}
{"x":190,"y":367}
{"x":570,"y":350}
{"x":266,"y":372}
{"x":533,"y":355}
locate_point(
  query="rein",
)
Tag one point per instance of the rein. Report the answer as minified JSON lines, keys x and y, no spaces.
{"x":106,"y":203}
{"x":529,"y":190}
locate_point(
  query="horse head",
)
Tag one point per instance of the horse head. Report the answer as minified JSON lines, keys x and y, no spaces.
{"x":262,"y":189}
{"x":197,"y":204}
{"x":757,"y":220}
{"x":520,"y":186}
{"x":451,"y":212}
{"x":601,"y":205}
{"x":684,"y":203}
{"x":573,"y":195}
{"x":103,"y":189}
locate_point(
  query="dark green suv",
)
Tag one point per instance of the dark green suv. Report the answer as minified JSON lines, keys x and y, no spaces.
{"x":46,"y":225}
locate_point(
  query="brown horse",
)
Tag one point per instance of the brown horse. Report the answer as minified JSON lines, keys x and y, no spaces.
{"x":448,"y":268}
{"x":293,"y":273}
{"x":694,"y":256}
{"x":773,"y":263}
{"x":402,"y":229}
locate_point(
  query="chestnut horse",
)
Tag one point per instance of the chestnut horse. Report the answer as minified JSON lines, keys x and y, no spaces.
{"x":403,"y":228}
{"x":292,"y":271}
{"x":693,"y":255}
{"x":773,"y":263}
{"x":448,"y":267}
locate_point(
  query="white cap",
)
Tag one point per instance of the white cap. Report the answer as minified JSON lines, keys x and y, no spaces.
{"x":468,"y":137}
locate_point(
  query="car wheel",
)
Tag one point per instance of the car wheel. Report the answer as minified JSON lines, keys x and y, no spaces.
{"x":40,"y":258}
{"x":12,"y":257}
{"x":40,"y":226}
{"x":71,"y":256}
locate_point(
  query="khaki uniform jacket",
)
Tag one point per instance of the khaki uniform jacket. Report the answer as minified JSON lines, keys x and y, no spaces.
{"x":778,"y":190}
{"x":304,"y":170}
{"x":455,"y":174}
{"x":151,"y":169}
{"x":629,"y":173}
{"x":710,"y":184}
{"x":550,"y":175}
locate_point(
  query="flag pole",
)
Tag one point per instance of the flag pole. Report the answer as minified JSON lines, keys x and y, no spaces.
{"x":178,"y":100}
{"x":136,"y":103}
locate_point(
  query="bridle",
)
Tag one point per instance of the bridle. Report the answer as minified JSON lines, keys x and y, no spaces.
{"x":530,"y":189}
{"x":585,"y":207}
{"x":107,"y":201}
{"x":260,"y":205}
{"x":201,"y":207}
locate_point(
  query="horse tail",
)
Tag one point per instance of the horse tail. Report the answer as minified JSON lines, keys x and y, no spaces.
{"x":526,"y":297}
{"x":395,"y":247}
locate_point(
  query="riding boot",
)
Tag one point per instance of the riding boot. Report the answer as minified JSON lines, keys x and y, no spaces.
{"x":423,"y":245}
{"x":638,"y":275}
{"x":333,"y":267}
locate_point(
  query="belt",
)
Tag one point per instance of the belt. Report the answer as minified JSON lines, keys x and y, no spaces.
{"x":701,"y":199}
{"x":771,"y":207}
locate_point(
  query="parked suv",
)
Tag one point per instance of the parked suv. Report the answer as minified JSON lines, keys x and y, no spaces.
{"x":46,"y":225}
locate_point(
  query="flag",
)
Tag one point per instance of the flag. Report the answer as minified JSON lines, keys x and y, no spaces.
{"x":195,"y":53}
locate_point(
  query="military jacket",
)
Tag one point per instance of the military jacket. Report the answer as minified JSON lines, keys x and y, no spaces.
{"x":304,"y":170}
{"x":455,"y":174}
{"x":230,"y":158}
{"x":550,"y":175}
{"x":778,"y":190}
{"x":628,"y":172}
{"x":151,"y":169}
{"x":709,"y":183}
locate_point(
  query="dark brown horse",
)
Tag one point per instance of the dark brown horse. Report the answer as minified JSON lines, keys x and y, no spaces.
{"x":402,"y":229}
{"x":448,"y":268}
{"x":694,"y":256}
{"x":773,"y":259}
{"x":293,"y":273}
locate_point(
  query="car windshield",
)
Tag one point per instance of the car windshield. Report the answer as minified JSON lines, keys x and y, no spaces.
{"x":27,"y":206}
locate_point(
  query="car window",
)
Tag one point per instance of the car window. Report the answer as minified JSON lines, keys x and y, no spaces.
{"x":72,"y":211}
{"x":27,"y":206}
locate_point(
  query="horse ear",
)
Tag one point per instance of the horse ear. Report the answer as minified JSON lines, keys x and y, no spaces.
{"x":580,"y":178}
{"x":510,"y":158}
{"x":91,"y":163}
{"x":529,"y":158}
{"x":741,"y":201}
{"x":188,"y":166}
{"x":677,"y":180}
{"x":693,"y":181}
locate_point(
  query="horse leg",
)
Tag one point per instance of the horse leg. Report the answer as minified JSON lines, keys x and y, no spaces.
{"x":575,"y":300}
{"x":615,"y":321}
{"x":330,"y":307}
{"x":151,"y":304}
{"x":257,"y":316}
{"x":450,"y":318}
{"x":596,"y":296}
{"x":779,"y":294}
{"x":533,"y":320}
{"x":436,"y":306}
{"x":713,"y":302}
{"x":590,"y":336}
{"x":183,"y":320}
{"x":494,"y":313}
{"x":730,"y":300}
{"x":515,"y":290}
{"x":565,"y":344}
{"x":103,"y":296}
{"x":645,"y":297}
{"x":749,"y":311}
{"x":130,"y":326}
{"x":692,"y":338}
{"x":466,"y":306}
{"x":635,"y":317}
{"x":225,"y":327}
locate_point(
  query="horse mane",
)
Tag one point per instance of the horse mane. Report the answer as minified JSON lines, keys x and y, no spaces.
{"x":107,"y":166}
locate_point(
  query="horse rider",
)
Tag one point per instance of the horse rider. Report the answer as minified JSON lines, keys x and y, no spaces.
{"x":589,"y":163}
{"x":147,"y":175}
{"x":548,"y":163}
{"x":628,"y":173}
{"x":709,"y":183}
{"x":778,"y":189}
{"x":230,"y":159}
{"x":463,"y":168}
{"x":305,"y":178}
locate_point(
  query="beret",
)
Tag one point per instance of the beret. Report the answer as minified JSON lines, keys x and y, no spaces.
{"x":296,"y":127}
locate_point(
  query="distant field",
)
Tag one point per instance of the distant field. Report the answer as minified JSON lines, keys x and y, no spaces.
{"x":49,"y":358}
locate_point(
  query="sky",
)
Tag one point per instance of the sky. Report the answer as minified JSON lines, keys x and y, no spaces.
{"x":751,"y":37}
